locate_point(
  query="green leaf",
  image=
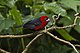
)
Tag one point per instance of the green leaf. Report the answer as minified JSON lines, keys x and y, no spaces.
{"x":65,"y":21}
{"x":39,"y":14}
{"x":8,"y":23}
{"x":9,"y":3}
{"x":77,"y":28}
{"x":1,"y":17}
{"x":37,"y":9}
{"x":16,"y":16}
{"x":78,"y":3}
{"x":28,"y":1}
{"x":5,"y":24}
{"x":27,"y":18}
{"x":39,"y":1}
{"x":2,"y":25}
{"x":54,"y":7}
{"x":71,"y":4}
{"x":65,"y":34}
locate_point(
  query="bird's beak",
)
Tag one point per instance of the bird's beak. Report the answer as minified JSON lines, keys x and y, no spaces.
{"x":48,"y":20}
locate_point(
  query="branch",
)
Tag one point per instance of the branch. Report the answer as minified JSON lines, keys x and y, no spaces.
{"x":72,"y":25}
{"x":77,"y":45}
{"x":53,"y":35}
{"x":16,"y":36}
{"x":51,"y":28}
{"x":63,"y":41}
{"x":55,"y":19}
{"x":24,"y":51}
{"x":3,"y":51}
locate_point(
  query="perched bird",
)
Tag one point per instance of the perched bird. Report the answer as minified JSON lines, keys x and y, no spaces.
{"x":37,"y":24}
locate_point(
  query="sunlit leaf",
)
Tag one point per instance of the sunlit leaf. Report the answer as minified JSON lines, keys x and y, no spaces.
{"x":16,"y":16}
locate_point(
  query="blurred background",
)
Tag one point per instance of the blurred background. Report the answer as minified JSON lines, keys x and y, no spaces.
{"x":18,"y":12}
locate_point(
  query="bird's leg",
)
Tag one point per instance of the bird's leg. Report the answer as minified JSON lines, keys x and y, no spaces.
{"x":45,"y":29}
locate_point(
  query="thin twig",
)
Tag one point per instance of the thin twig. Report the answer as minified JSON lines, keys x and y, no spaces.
{"x":77,"y":45}
{"x":76,"y":14}
{"x":55,"y":19}
{"x":16,"y":36}
{"x":75,"y":20}
{"x":63,"y":41}
{"x":74,"y":24}
{"x":25,"y":50}
{"x":58,"y":17}
{"x":3,"y":51}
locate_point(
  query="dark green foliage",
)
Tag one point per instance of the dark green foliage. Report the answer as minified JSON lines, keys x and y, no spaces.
{"x":18,"y":12}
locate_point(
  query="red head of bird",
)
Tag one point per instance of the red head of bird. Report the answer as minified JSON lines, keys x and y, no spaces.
{"x":44,"y":20}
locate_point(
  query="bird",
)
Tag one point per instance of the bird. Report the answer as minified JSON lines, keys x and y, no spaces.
{"x":37,"y":24}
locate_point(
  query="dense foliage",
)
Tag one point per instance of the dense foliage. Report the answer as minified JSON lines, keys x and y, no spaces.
{"x":18,"y":12}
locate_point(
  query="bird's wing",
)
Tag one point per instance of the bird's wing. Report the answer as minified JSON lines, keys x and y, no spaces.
{"x":32,"y":24}
{"x":29,"y":26}
{"x":36,"y":22}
